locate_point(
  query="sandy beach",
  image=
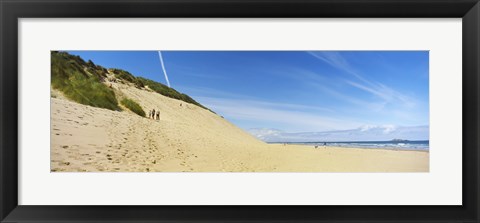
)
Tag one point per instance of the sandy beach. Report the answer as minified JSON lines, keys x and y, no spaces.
{"x":188,"y":138}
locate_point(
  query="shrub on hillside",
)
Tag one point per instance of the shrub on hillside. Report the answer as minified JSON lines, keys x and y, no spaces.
{"x":133,"y":106}
{"x":81,"y":82}
{"x":69,"y":77}
{"x":169,"y":92}
{"x":127,"y":76}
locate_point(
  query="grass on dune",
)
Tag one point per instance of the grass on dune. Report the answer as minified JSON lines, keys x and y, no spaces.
{"x":127,"y":76}
{"x":69,"y":77}
{"x":133,"y":106}
{"x":169,"y":92}
{"x":162,"y":89}
{"x":81,"y":82}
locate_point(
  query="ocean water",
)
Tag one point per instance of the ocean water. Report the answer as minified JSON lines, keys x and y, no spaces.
{"x":422,"y":145}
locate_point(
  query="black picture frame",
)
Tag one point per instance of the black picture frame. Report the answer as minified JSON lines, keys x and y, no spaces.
{"x":11,"y":11}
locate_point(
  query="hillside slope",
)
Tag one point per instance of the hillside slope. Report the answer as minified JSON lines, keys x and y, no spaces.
{"x":86,"y":82}
{"x":186,"y":138}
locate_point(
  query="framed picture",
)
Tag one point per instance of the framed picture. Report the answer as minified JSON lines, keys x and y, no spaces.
{"x":239,"y":111}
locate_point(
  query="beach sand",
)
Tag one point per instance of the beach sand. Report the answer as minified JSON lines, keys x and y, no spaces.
{"x":191,"y":139}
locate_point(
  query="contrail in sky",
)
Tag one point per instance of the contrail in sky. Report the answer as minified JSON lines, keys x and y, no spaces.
{"x":163,"y":67}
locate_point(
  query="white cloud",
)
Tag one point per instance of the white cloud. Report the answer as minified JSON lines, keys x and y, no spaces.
{"x":370,"y":105}
{"x":363,"y":133}
{"x":290,"y":116}
{"x":387,"y":94}
{"x":338,"y":61}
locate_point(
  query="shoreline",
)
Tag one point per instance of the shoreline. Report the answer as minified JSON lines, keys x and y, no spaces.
{"x":353,"y":147}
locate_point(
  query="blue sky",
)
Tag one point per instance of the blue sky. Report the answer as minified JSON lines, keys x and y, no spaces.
{"x":292,"y":91}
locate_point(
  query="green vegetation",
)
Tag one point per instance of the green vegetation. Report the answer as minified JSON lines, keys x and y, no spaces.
{"x":81,"y":81}
{"x":82,"y":86}
{"x":127,"y":76}
{"x":169,"y":92}
{"x":141,"y":82}
{"x":133,"y":106}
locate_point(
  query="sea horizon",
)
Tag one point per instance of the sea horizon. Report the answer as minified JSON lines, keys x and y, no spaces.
{"x":416,"y":145}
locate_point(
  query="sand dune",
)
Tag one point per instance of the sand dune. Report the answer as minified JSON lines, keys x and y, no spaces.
{"x":190,"y":138}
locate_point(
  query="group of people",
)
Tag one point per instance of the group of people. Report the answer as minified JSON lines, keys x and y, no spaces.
{"x":153,"y":115}
{"x":324,"y":145}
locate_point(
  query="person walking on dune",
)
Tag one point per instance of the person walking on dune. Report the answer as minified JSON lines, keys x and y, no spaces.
{"x":158,"y":115}
{"x":149,"y":113}
{"x":153,"y":114}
